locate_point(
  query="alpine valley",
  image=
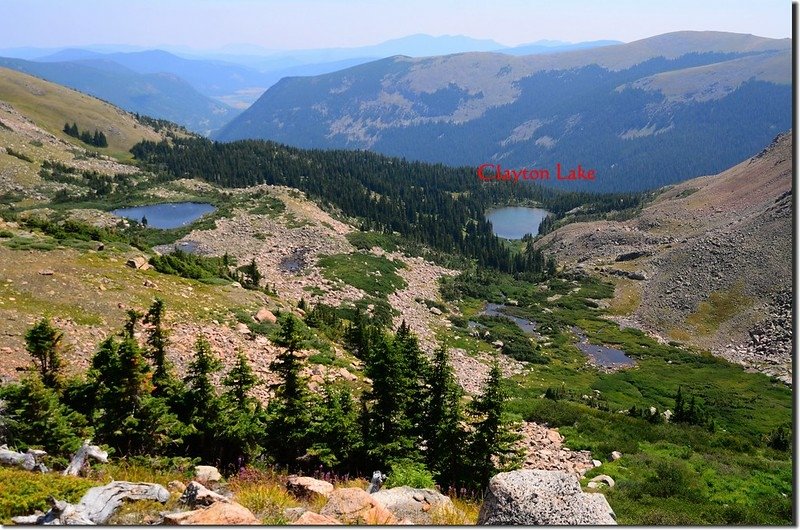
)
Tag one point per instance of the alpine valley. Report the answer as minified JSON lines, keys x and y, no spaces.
{"x":332,"y":332}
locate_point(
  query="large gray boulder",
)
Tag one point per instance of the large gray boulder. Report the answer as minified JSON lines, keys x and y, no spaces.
{"x":414,"y":504}
{"x":533,"y":497}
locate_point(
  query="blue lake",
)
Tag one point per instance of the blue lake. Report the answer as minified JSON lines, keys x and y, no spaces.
{"x":166,"y":215}
{"x":514,"y":222}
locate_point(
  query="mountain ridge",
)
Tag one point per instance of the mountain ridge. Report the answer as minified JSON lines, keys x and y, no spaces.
{"x":159,"y":95}
{"x":601,"y":107}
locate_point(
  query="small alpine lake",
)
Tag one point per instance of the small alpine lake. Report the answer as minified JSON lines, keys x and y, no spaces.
{"x":166,"y":215}
{"x":514,"y":222}
{"x":602,"y":355}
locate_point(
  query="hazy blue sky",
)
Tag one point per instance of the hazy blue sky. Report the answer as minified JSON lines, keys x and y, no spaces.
{"x":293,"y":24}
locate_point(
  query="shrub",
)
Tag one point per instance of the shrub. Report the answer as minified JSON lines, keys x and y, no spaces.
{"x":23,"y":492}
{"x":408,"y":473}
{"x":780,"y":439}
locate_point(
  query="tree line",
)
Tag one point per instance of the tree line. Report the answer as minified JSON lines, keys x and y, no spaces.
{"x":98,"y":139}
{"x":132,"y":400}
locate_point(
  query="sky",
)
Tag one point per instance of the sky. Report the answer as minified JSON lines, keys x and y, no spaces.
{"x":308,"y":24}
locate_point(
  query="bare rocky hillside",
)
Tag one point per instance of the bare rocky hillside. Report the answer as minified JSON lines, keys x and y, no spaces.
{"x":708,"y":262}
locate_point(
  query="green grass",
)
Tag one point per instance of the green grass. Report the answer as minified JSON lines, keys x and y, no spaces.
{"x":368,"y":240}
{"x":720,"y":307}
{"x":270,"y":206}
{"x":373,"y":274}
{"x":685,"y":193}
{"x":314,"y":290}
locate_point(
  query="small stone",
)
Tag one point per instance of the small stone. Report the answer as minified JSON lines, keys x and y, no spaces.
{"x":265,"y":315}
{"x":207,"y":474}
{"x":176,"y":486}
{"x":137,"y":262}
{"x":307,"y":486}
{"x":605,"y":479}
{"x":314,"y":519}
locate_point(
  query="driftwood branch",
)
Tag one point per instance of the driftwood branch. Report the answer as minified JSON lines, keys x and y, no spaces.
{"x":28,"y":461}
{"x":97,"y":505}
{"x":86,"y":451}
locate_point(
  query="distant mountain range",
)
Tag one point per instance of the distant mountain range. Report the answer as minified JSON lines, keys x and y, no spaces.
{"x":642,"y":114}
{"x":237,"y":76}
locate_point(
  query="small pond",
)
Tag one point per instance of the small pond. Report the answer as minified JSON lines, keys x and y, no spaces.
{"x":602,"y":355}
{"x":515,"y":222}
{"x":166,"y":215}
{"x":497,"y":310}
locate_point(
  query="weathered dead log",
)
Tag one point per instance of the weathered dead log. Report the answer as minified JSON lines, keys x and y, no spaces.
{"x":97,"y":505}
{"x":27,"y":461}
{"x":86,"y":451}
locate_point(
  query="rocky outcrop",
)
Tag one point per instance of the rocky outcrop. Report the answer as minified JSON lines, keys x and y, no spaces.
{"x":543,"y":449}
{"x":529,"y":497}
{"x":356,"y":506}
{"x":138,"y":262}
{"x":414,"y":504}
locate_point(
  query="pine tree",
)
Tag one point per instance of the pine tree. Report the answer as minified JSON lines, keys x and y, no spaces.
{"x":443,"y":430}
{"x":129,"y":328}
{"x":244,"y":425}
{"x":202,"y":402}
{"x":335,"y":430}
{"x":99,"y":139}
{"x":391,"y":430}
{"x":44,"y":343}
{"x":164,"y":380}
{"x":126,"y":415}
{"x":289,"y":411}
{"x":252,"y":275}
{"x":34,"y":417}
{"x":492,"y":445}
{"x":680,"y":412}
{"x":411,"y":392}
